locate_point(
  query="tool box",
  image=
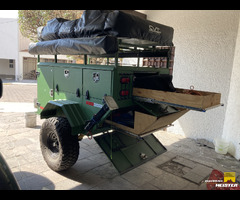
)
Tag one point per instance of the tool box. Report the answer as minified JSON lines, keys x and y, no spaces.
{"x":125,"y":103}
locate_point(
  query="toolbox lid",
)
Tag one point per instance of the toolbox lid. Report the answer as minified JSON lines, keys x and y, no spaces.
{"x":127,"y":152}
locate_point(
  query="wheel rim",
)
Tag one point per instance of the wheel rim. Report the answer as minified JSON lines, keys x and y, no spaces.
{"x":53,"y":144}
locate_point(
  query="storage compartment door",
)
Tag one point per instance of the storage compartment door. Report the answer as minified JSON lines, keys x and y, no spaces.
{"x":97,"y":83}
{"x":68,"y":83}
{"x":44,"y":86}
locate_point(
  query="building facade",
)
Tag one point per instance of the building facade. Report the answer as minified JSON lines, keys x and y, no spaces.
{"x":15,"y":61}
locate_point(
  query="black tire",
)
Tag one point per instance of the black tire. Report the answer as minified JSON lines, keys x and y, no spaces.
{"x":59,"y":148}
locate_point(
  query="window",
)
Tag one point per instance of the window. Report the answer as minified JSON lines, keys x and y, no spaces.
{"x":11,"y":63}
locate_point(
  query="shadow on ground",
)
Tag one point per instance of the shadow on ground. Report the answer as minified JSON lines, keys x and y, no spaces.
{"x":31,"y":181}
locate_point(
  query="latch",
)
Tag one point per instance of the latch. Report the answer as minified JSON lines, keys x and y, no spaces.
{"x":87,"y":95}
{"x":57,"y":88}
{"x":143,"y":156}
{"x":78,"y":92}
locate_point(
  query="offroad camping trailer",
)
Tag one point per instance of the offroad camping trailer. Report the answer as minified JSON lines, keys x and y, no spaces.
{"x":124,"y":103}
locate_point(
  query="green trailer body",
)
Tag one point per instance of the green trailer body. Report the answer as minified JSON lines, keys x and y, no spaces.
{"x":76,"y":92}
{"x":78,"y":83}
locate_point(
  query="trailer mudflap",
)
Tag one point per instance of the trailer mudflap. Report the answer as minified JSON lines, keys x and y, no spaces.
{"x":66,"y":108}
{"x":127,"y":152}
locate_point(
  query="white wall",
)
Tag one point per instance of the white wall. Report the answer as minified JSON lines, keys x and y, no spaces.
{"x":9,"y":40}
{"x":205,"y":45}
{"x":231,"y":130}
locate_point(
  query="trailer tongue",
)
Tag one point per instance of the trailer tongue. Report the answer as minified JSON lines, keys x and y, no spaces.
{"x":125,"y":103}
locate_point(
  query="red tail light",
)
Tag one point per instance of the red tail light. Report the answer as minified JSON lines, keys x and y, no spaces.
{"x":124,"y":92}
{"x":125,"y":80}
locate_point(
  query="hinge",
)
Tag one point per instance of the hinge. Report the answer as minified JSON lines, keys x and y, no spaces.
{"x":37,"y":74}
{"x":51,"y":92}
{"x":37,"y":104}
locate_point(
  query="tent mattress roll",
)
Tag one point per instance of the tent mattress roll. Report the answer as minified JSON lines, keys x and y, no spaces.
{"x":76,"y":46}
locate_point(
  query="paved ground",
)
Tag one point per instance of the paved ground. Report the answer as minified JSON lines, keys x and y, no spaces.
{"x":19,"y":92}
{"x":185,"y":166}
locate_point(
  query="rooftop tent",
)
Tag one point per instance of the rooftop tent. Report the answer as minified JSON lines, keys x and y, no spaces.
{"x":127,"y":26}
{"x":97,"y":29}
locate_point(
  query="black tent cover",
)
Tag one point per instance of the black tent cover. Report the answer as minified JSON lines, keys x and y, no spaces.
{"x":97,"y":32}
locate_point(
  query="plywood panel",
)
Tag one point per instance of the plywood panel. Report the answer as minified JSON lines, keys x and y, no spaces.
{"x":181,"y":97}
{"x":144,"y":123}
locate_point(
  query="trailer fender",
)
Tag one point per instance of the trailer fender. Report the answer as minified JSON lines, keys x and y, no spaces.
{"x":66,"y":108}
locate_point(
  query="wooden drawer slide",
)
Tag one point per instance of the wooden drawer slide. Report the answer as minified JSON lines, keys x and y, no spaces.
{"x":181,"y":98}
